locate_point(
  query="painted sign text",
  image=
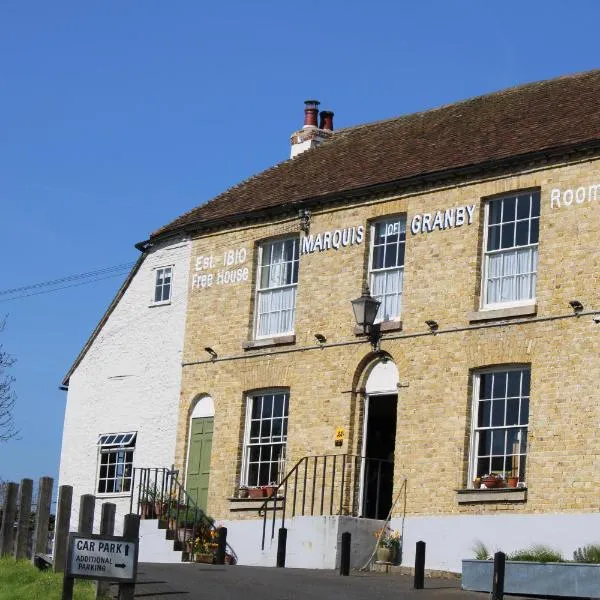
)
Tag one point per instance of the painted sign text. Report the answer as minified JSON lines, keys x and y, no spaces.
{"x":232,"y":270}
{"x":560,"y":198}
{"x":451,"y":217}
{"x":339,"y":238}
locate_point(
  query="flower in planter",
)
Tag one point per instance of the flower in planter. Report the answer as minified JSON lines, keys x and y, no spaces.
{"x":390,"y":538}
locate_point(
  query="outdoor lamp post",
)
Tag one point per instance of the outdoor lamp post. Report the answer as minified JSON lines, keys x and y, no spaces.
{"x":365,"y":310}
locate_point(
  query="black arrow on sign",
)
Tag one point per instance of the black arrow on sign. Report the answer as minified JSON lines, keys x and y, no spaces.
{"x":120,"y":566}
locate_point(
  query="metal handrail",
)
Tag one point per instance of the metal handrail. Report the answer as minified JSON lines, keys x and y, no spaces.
{"x":160,"y":495}
{"x":342,"y":482}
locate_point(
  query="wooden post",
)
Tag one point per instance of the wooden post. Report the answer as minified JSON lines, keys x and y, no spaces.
{"x":131,"y":533}
{"x":345,"y":554}
{"x":281,"y":547}
{"x":25,"y":493}
{"x":107,"y":527}
{"x":420,"y":566}
{"x":221,"y":545}
{"x":62,"y":527}
{"x":42,"y":517}
{"x":9,"y":514}
{"x":86,"y":525}
{"x":498,"y":580}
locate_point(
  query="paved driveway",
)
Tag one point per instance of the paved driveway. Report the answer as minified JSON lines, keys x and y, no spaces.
{"x":190,"y":581}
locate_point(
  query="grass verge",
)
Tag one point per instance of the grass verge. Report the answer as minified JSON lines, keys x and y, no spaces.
{"x":20,"y":580}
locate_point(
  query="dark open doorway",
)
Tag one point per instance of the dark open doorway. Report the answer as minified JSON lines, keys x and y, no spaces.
{"x":378,"y":474}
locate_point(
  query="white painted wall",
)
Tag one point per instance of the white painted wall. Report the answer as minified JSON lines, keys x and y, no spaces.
{"x":129,"y":380}
{"x":451,"y":538}
{"x":312,"y":542}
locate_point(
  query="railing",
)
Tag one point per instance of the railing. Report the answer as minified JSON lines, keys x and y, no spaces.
{"x":331,"y":484}
{"x":157,"y":493}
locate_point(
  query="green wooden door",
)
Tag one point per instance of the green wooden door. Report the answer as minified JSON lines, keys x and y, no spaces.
{"x":198,"y":471}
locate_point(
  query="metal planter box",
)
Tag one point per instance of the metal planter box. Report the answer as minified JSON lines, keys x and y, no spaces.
{"x":544,"y":579}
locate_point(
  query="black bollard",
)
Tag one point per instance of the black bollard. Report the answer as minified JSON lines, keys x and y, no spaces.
{"x":281,"y":544}
{"x":221,"y":545}
{"x":498,"y":580}
{"x":345,"y":554}
{"x":420,"y":566}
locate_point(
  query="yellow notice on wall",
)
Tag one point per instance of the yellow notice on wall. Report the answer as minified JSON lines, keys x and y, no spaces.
{"x":339,"y":436}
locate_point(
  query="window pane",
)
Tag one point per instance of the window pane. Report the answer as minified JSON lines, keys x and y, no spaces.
{"x":484,"y":413}
{"x":485,"y":443}
{"x":485,"y":385}
{"x":535,"y":204}
{"x":514,"y":384}
{"x":522,"y":233}
{"x":524,"y":418}
{"x":499,"y":385}
{"x":535,"y":231}
{"x":494,"y":237}
{"x":498,"y":413}
{"x":508,"y":235}
{"x":512,"y":411}
{"x":523,"y":206}
{"x":508,"y":210}
{"x":495,"y":212}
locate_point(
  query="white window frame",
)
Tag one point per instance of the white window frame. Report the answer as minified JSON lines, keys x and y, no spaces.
{"x":260,"y":291}
{"x":250,"y":398}
{"x":115,"y":443}
{"x":485,"y":305}
{"x":155,"y":272}
{"x":373,"y":272}
{"x":475,"y":429}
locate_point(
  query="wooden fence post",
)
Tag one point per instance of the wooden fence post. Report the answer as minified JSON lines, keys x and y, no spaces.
{"x":42,"y":517}
{"x":9,"y":514}
{"x":62,"y":527}
{"x":86,"y":525}
{"x":131,"y":533}
{"x":107,"y":527}
{"x":25,"y":493}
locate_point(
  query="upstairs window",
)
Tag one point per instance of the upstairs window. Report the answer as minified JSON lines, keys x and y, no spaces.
{"x":500,"y":423}
{"x":511,"y":249}
{"x":276,"y":287}
{"x":388,"y":240}
{"x":162,"y":285}
{"x":265,"y":439}
{"x":116,"y":462}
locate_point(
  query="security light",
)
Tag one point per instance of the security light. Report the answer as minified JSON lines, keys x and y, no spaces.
{"x":320,"y":338}
{"x":596,"y":318}
{"x":213,"y":354}
{"x":433,"y":325}
{"x":576,"y":306}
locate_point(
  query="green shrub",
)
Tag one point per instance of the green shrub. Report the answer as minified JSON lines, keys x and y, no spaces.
{"x":480,"y":551}
{"x":587,"y":554}
{"x":538,"y":553}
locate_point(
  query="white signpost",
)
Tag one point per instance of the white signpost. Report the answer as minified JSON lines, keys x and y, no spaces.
{"x":101,"y":557}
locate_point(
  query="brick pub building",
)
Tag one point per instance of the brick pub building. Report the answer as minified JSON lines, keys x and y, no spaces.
{"x":476,"y":227}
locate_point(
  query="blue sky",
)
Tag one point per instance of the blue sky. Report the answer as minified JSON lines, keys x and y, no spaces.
{"x":117,"y":117}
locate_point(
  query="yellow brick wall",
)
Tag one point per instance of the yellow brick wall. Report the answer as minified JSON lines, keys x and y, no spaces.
{"x":442,"y":282}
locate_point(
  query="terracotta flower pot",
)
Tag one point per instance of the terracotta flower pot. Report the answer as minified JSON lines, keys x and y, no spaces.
{"x":269,"y":490}
{"x":512,"y":482}
{"x":490,"y":482}
{"x":255,"y":492}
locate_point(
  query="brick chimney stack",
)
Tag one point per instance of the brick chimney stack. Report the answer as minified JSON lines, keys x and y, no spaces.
{"x":312,"y":134}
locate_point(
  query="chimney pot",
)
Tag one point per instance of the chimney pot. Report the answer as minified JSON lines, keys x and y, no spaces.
{"x":311,"y":111}
{"x":326,"y":120}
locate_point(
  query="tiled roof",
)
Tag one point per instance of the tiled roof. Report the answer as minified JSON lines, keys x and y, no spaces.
{"x":536,"y":117}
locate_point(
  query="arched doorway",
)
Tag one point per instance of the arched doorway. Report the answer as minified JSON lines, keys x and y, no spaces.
{"x":379,"y":439}
{"x":199,"y":451}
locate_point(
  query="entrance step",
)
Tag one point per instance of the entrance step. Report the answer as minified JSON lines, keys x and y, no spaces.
{"x":154,"y":547}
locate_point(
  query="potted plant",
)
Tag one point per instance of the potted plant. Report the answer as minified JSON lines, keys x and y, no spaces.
{"x":492,"y":481}
{"x":388,"y":546}
{"x":243,"y":491}
{"x":269,"y":490}
{"x":255,"y":492}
